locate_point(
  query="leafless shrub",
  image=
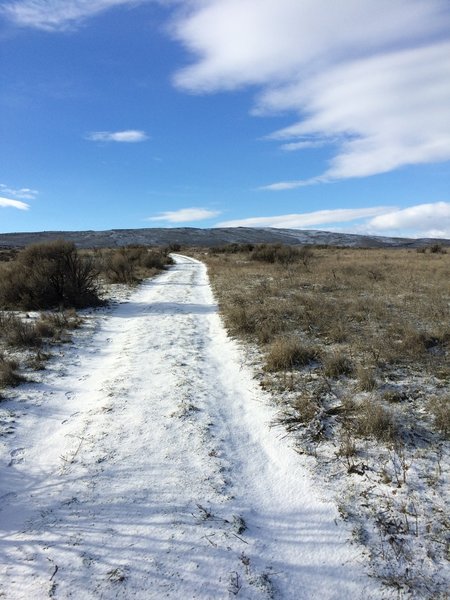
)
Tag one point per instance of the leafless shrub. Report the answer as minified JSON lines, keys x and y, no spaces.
{"x":37,"y":361}
{"x":18,"y":333}
{"x":53,"y":325}
{"x":437,"y":249}
{"x":9,"y":376}
{"x":49,"y":275}
{"x":131,"y":264}
{"x":282,"y":254}
{"x":347,"y":447}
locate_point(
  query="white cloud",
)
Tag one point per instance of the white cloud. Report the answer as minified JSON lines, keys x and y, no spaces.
{"x":185,"y":215}
{"x":420,"y":221}
{"x":128,"y":136}
{"x":372,"y":75}
{"x":304,"y":144}
{"x":22,"y":193}
{"x":311,"y":219}
{"x":6,"y":203}
{"x":291,"y":185}
{"x":58,"y":15}
{"x":423,"y":218}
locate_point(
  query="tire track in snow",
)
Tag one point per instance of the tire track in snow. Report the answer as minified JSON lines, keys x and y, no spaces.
{"x":151,"y":472}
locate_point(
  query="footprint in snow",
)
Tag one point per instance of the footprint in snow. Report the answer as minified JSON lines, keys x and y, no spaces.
{"x":16,"y":456}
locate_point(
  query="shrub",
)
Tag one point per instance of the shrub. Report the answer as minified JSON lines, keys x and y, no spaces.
{"x":9,"y":377}
{"x":18,"y":333}
{"x":49,"y":275}
{"x":287,"y":353}
{"x":437,"y":249}
{"x":130,"y":264}
{"x":278,"y":253}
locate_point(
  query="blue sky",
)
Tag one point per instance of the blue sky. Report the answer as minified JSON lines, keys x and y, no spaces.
{"x":283,"y":113}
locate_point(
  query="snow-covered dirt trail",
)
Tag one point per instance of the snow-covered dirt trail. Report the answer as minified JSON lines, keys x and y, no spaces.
{"x":149,"y":471}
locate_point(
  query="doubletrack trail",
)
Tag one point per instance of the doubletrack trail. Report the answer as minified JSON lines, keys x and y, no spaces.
{"x":148,"y":469}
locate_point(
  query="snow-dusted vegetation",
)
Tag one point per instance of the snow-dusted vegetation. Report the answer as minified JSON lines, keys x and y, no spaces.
{"x":353,"y":345}
{"x":141,"y":464}
{"x":144,"y":453}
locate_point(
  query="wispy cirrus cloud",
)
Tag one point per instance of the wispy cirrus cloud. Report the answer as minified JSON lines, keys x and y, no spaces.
{"x":185,"y":215}
{"x":58,"y":15}
{"x":7,"y":203}
{"x":130,"y":136}
{"x":310,"y":219}
{"x":421,"y":220}
{"x":373,"y":76}
{"x":21,"y":193}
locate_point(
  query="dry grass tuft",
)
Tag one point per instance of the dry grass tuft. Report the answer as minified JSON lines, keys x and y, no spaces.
{"x":439,"y":407}
{"x":337,"y":364}
{"x":286,"y":353}
{"x":376,"y":421}
{"x":366,"y":379}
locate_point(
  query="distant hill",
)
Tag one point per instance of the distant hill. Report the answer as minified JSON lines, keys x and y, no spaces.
{"x":190,"y":236}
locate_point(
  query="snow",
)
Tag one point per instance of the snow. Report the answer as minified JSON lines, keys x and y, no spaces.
{"x":143,"y":466}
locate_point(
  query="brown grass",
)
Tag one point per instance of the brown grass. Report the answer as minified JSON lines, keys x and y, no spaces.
{"x":365,"y":317}
{"x":286,"y":353}
{"x":439,"y":407}
{"x":371,"y":403}
{"x":336,"y":364}
{"x":375,"y":420}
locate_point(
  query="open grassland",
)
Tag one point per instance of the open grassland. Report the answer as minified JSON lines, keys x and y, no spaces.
{"x":354,"y":345}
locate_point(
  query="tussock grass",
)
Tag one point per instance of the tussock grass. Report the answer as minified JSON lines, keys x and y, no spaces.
{"x":439,"y":407}
{"x":386,"y":328}
{"x":366,"y":379}
{"x":357,"y":312}
{"x":286,"y":353}
{"x":336,"y":364}
{"x":375,"y":420}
